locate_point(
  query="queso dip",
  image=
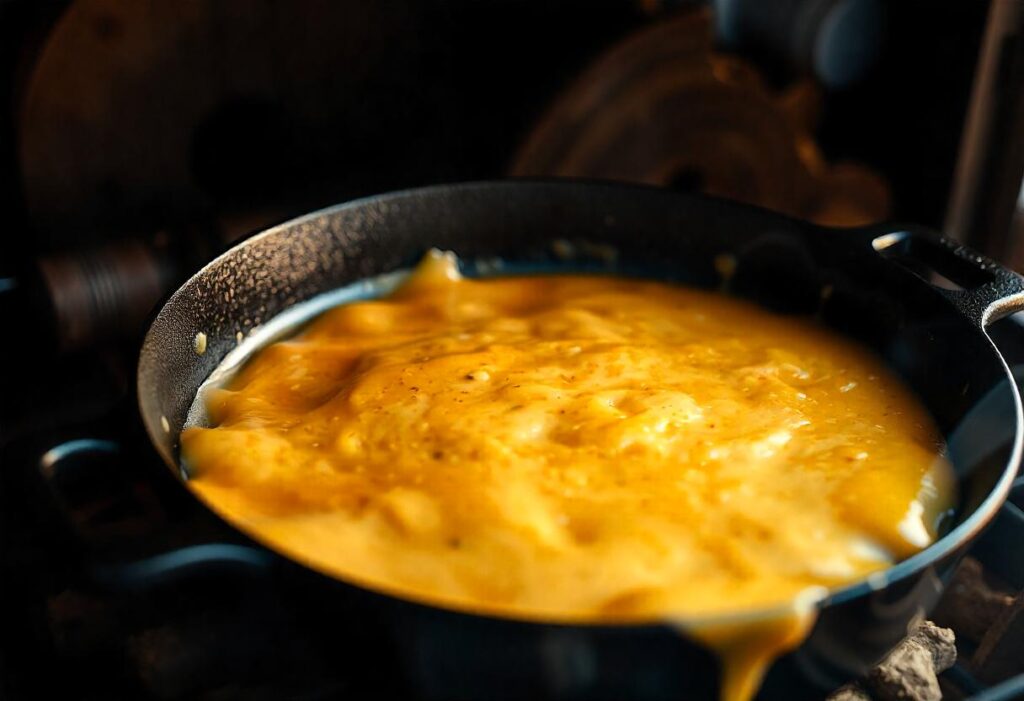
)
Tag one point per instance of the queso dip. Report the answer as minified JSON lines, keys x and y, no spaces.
{"x":575,"y":448}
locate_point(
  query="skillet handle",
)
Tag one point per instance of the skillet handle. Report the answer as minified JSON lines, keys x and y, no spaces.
{"x":168,"y":568}
{"x":75,"y":471}
{"x":978,"y":287}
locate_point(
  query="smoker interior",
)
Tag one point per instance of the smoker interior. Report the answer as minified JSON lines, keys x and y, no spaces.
{"x":140,"y":139}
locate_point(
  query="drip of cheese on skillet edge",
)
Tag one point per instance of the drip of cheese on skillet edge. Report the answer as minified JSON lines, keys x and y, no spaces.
{"x":578,"y":448}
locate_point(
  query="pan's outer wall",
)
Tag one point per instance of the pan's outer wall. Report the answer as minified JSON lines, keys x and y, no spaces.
{"x":782,"y":263}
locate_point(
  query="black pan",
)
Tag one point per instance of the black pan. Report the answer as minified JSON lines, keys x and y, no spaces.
{"x":921,"y":302}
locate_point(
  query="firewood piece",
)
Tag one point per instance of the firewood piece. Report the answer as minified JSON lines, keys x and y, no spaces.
{"x":970,"y":605}
{"x":999,"y":655}
{"x":940,"y":642}
{"x":910,"y":671}
{"x":849,"y":692}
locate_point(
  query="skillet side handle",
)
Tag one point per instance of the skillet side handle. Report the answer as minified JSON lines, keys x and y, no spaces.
{"x":1003,"y":296}
{"x":172,"y":567}
{"x":982,"y":290}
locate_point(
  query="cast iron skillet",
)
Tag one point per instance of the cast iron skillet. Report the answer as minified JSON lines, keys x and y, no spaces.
{"x":874,"y":284}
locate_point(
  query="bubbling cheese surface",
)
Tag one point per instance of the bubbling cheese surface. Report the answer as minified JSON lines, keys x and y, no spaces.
{"x":573,"y":447}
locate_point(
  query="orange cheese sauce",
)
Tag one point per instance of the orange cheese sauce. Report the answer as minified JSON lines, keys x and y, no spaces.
{"x":574,"y":448}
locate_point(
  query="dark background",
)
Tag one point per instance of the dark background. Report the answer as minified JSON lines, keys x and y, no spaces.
{"x":446,"y":90}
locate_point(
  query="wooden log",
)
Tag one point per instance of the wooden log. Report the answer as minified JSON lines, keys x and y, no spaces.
{"x":910,"y":671}
{"x":971,"y":605}
{"x":1000,"y":653}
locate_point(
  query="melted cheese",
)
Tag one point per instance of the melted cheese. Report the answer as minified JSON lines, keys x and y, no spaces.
{"x":577,"y":448}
